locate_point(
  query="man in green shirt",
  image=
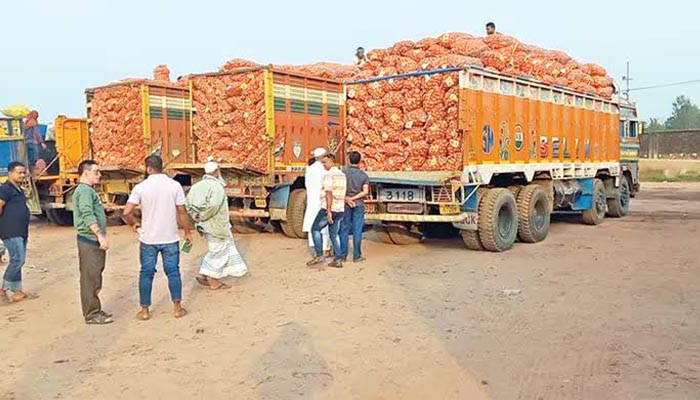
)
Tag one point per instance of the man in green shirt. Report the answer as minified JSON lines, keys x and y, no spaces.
{"x":90,"y":221}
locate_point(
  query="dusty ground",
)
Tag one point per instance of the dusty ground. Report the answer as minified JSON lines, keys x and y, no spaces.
{"x":608,"y":312}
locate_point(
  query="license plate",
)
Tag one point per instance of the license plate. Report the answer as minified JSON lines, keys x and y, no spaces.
{"x":448,"y":209}
{"x":470,"y":223}
{"x":401,"y":195}
{"x":260,"y":203}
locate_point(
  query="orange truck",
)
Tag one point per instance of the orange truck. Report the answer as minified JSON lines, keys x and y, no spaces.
{"x":527,"y":148}
{"x":263,"y":162}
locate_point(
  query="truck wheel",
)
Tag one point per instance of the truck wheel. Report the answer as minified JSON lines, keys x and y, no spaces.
{"x":60,"y":216}
{"x":619,"y":206}
{"x":402,"y":235}
{"x":515,"y":189}
{"x":472,"y":241}
{"x":498,"y":220}
{"x":114,"y":218}
{"x":382,"y":234}
{"x":596,"y":215}
{"x":442,"y":230}
{"x":295,"y":215}
{"x":533,"y":214}
{"x":244,"y":227}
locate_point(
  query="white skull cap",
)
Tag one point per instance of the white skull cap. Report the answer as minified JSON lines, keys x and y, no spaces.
{"x":319,"y":152}
{"x":210,"y":166}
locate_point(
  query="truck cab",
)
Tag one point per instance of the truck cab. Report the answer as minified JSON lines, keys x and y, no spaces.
{"x":631,"y":127}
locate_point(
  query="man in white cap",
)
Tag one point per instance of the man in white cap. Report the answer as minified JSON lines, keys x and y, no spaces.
{"x":314,"y":188}
{"x":207,"y":204}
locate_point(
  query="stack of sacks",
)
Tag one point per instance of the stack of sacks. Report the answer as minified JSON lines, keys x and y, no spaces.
{"x":117,"y":127}
{"x":230,"y":119}
{"x":406,"y":124}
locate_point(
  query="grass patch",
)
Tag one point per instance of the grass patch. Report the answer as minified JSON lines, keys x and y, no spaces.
{"x":659,"y":175}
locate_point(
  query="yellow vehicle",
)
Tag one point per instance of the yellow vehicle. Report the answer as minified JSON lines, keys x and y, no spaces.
{"x":12,"y":148}
{"x":56,"y":190}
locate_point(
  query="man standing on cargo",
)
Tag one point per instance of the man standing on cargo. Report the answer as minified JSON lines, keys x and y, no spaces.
{"x":90,"y":221}
{"x":360,"y":57}
{"x":14,"y":231}
{"x":32,"y":139}
{"x":162,"y":202}
{"x":331,"y":214}
{"x":354,"y":217}
{"x":313,"y":181}
{"x":490,"y":29}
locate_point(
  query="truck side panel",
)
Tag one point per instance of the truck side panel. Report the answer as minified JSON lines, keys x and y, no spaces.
{"x":167,"y":122}
{"x":72,"y":142}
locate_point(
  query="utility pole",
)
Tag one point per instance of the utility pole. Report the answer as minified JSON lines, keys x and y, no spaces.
{"x":627,"y":80}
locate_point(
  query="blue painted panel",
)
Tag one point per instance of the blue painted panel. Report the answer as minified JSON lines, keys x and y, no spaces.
{"x":279,"y":197}
{"x":585,"y":200}
{"x":11,"y":150}
{"x":472,"y":203}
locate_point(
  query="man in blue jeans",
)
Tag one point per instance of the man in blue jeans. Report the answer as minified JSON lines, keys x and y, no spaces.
{"x":354,"y":217}
{"x":331,"y":213}
{"x":162,"y":203}
{"x":14,"y":231}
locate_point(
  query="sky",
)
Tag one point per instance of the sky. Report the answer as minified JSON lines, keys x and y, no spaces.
{"x":53,"y":50}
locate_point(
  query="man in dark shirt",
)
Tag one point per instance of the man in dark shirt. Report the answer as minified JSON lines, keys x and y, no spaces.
{"x":354,"y":216}
{"x":14,"y":231}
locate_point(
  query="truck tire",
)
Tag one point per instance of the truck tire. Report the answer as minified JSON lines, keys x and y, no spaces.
{"x":382,"y":234}
{"x":439,"y":230}
{"x":295,"y":215}
{"x":60,"y":216}
{"x":619,"y":206}
{"x":515,"y":189}
{"x":402,"y":235}
{"x":498,"y":220}
{"x":243,"y":226}
{"x":472,"y":241}
{"x":596,"y":215}
{"x":533,"y":214}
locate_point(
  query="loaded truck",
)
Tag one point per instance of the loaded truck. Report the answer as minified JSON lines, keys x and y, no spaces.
{"x":261,"y":124}
{"x":631,"y":128}
{"x":527,"y":149}
{"x":12,"y":148}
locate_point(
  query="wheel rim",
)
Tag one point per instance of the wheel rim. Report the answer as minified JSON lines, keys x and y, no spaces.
{"x":600,"y":205}
{"x":624,"y":195}
{"x":540,"y":215}
{"x":505,"y":222}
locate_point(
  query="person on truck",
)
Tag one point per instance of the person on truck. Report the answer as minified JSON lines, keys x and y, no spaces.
{"x":313,"y":181}
{"x":354,"y":218}
{"x":162,"y":202}
{"x":14,"y":232}
{"x":490,"y":29}
{"x":360,"y":57}
{"x":32,"y":139}
{"x":331,"y":213}
{"x":207,"y":204}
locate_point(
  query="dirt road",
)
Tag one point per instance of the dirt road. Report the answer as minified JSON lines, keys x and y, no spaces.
{"x":607,"y":312}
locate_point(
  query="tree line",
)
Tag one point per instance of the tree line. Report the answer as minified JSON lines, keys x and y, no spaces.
{"x":685,"y":115}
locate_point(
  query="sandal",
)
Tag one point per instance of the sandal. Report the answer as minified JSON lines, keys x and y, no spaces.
{"x":222,"y":286}
{"x":143,"y":315}
{"x":27,"y":296}
{"x":202,"y":280}
{"x":181,"y":313}
{"x":99,"y":320}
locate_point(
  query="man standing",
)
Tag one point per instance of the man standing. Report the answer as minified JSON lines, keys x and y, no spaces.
{"x":313,"y":181}
{"x":360,"y":57}
{"x":32,"y":139}
{"x":207,"y":204}
{"x":14,"y":231}
{"x":331,"y":213}
{"x":490,"y":29}
{"x":354,"y":217}
{"x":162,"y":202}
{"x":90,"y":221}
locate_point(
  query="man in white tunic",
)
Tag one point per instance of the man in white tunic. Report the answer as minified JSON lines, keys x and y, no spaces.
{"x":314,"y":186}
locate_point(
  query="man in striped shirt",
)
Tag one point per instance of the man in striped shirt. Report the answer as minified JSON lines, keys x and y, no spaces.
{"x":331,"y":214}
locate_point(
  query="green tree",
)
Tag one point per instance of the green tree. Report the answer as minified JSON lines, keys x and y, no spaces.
{"x":686,"y":115}
{"x":654,"y":125}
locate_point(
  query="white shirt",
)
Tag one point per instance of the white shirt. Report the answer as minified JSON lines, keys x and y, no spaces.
{"x":158,"y":197}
